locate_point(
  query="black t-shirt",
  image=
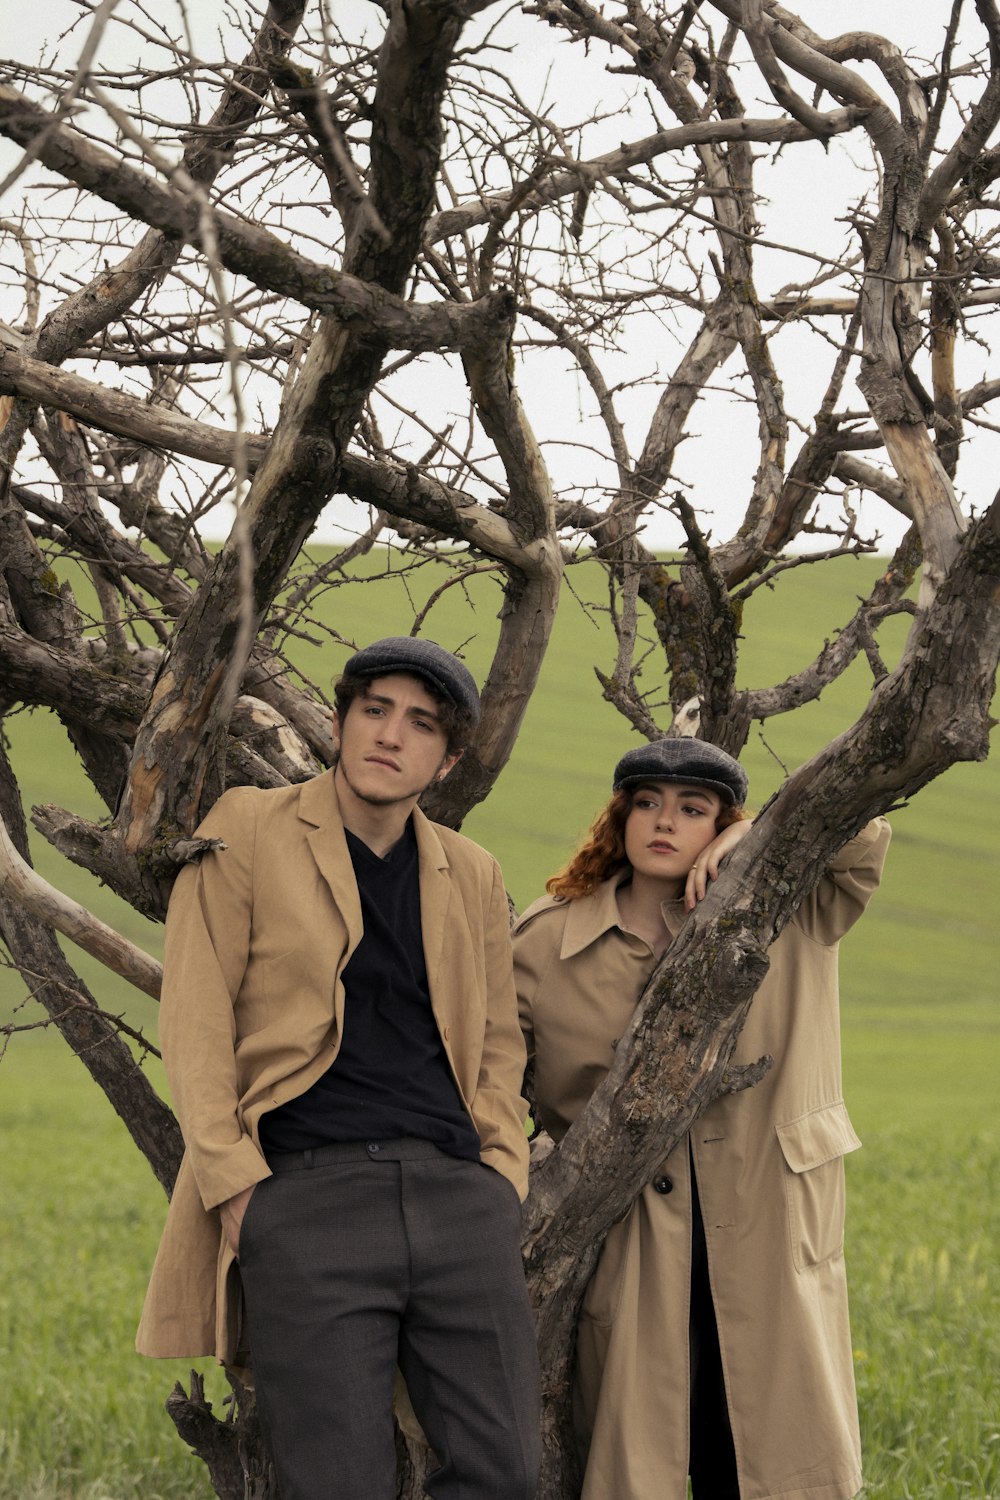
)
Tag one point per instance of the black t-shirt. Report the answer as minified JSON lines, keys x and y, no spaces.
{"x":391,"y":1076}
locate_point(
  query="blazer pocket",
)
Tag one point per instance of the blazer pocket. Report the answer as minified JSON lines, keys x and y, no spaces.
{"x":814,"y":1147}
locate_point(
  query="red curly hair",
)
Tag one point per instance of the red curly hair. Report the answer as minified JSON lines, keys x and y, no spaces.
{"x":602,"y":854}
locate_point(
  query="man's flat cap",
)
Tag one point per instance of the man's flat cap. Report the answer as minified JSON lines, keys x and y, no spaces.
{"x":403,"y":653}
{"x":695,"y":762}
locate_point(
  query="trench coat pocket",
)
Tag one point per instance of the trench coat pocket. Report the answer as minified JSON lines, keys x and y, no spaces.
{"x":814,"y":1147}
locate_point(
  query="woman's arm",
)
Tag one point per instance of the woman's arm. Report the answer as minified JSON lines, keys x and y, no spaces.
{"x":839,"y":899}
{"x":850,"y":881}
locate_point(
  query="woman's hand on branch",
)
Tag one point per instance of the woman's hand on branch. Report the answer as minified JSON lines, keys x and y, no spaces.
{"x":706,"y":866}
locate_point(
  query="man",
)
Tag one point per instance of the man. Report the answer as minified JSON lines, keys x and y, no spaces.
{"x":340,"y":1032}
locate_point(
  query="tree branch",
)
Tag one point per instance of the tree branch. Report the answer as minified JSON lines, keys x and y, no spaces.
{"x":819,"y":60}
{"x":566,"y":181}
{"x":961,"y":160}
{"x":25,"y":886}
{"x":397,"y":488}
{"x":757,"y":30}
{"x":87,"y":1030}
{"x":531,"y":593}
{"x":245,"y":248}
{"x":856,"y":636}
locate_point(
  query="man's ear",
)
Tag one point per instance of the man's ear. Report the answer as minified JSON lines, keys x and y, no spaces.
{"x":448,"y":764}
{"x":336,"y":732}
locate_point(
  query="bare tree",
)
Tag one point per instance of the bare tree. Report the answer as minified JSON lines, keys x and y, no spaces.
{"x":374,"y":263}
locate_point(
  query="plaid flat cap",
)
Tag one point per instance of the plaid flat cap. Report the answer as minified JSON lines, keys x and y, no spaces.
{"x":693,"y":761}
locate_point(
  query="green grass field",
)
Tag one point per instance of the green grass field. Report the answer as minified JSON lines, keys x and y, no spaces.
{"x":81,"y":1417}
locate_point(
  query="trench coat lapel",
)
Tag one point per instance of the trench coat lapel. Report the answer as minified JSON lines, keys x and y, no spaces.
{"x":435,"y":901}
{"x":590,"y":917}
{"x":318,"y":806}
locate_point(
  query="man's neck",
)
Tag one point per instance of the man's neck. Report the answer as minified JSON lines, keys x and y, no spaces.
{"x":379,"y":825}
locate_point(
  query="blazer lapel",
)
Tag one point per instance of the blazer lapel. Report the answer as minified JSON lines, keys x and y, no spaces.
{"x":318,"y":805}
{"x":435,"y":900}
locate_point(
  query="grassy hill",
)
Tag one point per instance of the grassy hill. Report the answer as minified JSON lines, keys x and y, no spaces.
{"x":79,"y":1214}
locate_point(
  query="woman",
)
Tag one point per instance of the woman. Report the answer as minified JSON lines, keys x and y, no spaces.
{"x":714,"y":1334}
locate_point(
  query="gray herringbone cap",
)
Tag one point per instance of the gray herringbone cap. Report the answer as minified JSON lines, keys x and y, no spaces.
{"x":403,"y":653}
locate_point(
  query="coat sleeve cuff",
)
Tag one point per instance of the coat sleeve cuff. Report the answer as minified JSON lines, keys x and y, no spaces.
{"x":221,"y":1174}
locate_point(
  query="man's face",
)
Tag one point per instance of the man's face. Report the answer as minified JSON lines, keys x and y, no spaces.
{"x":391,"y":742}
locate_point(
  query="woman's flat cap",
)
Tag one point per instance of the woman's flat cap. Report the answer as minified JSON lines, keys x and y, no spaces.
{"x":695,"y":762}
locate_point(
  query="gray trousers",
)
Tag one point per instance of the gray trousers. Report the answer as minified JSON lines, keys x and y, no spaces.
{"x":356,"y":1258}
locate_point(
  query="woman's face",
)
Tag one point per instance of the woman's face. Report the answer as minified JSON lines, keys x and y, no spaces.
{"x":668,"y":826}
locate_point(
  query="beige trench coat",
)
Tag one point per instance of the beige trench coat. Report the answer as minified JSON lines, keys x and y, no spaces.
{"x":770,"y":1173}
{"x":258,"y":935}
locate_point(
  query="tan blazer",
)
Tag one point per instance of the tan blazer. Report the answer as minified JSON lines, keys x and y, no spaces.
{"x":258,"y":935}
{"x":770,"y":1171}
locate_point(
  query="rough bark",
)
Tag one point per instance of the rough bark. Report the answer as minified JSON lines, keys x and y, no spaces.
{"x":232,"y":1449}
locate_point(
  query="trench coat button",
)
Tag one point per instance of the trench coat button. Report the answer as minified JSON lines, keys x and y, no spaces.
{"x":373,"y":1148}
{"x":663,"y":1184}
